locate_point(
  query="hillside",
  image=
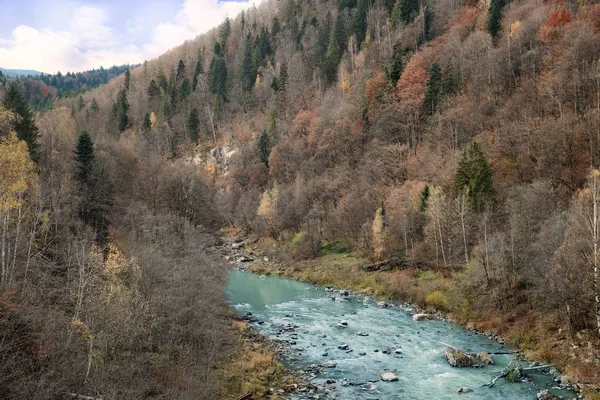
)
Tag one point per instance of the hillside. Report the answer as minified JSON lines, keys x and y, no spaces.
{"x":13,"y":73}
{"x":459,"y":137}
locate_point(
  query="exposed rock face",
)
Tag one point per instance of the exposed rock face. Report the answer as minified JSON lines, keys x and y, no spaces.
{"x":420,"y":317}
{"x":484,"y":358}
{"x":458,"y":358}
{"x":389,"y":377}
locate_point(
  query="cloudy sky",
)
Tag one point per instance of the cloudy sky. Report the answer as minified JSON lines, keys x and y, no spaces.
{"x":76,"y":35}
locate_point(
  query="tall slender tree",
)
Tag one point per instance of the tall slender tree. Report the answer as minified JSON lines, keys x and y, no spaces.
{"x":24,"y":125}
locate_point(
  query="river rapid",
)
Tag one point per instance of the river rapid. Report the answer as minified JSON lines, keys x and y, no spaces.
{"x":322,"y":327}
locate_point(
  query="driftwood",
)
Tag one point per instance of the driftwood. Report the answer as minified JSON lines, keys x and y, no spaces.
{"x":247,"y":396}
{"x":520,"y":371}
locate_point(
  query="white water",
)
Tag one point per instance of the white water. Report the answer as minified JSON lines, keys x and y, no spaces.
{"x":421,"y":368}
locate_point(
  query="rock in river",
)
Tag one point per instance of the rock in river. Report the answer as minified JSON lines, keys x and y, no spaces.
{"x":464,"y":390}
{"x":458,"y":358}
{"x":420,"y":317}
{"x":484,"y":357}
{"x":389,"y":377}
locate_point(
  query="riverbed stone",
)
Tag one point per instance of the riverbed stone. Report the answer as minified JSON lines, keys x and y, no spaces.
{"x":420,"y":317}
{"x":329,"y":364}
{"x":389,"y":377}
{"x":458,"y":358}
{"x":485,"y":358}
{"x":464,"y":390}
{"x":547,"y":395}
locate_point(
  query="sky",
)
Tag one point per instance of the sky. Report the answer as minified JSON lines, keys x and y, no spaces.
{"x":78,"y":35}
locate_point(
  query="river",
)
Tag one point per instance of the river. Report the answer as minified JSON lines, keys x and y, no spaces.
{"x":307,"y":320}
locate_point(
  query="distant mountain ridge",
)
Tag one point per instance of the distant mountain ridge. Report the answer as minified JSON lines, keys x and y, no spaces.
{"x":13,"y":73}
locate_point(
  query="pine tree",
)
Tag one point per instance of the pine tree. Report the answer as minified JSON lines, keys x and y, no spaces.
{"x":335,"y":50}
{"x":360,"y":21}
{"x":473,"y":178}
{"x":424,"y":198}
{"x":283,"y":76}
{"x":217,"y":75}
{"x":323,"y":34}
{"x":494,"y":22}
{"x":84,"y":159}
{"x":80,"y":103}
{"x":275,"y":27}
{"x":199,"y":70}
{"x":248,"y":65}
{"x":180,"y":70}
{"x":193,"y":125}
{"x":147,"y":123}
{"x":121,"y":108}
{"x":186,"y":88}
{"x":161,"y":79}
{"x":224,"y":31}
{"x":264,"y":147}
{"x":434,"y":89}
{"x":403,"y":12}
{"x":127,"y":79}
{"x":153,"y":90}
{"x":94,"y":105}
{"x":24,"y":126}
{"x":396,"y":68}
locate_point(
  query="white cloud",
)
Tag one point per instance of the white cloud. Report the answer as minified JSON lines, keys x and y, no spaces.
{"x":91,"y":42}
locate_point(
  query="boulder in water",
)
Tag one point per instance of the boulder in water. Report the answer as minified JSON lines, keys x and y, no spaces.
{"x":420,"y":317}
{"x":362,"y":334}
{"x":344,"y":347}
{"x":464,"y":390}
{"x":389,"y":377}
{"x":485,"y":358}
{"x":329,"y":364}
{"x":458,"y":358}
{"x":547,"y":395}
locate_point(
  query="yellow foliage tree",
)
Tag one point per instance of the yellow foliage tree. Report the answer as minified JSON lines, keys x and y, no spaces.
{"x":379,"y":234}
{"x":268,"y":208}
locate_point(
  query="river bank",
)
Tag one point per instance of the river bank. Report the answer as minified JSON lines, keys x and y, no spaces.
{"x":430,"y":292}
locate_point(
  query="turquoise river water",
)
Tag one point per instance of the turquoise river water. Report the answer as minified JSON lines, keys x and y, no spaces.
{"x":306,"y":319}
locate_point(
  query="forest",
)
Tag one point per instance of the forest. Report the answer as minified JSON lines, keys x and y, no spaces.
{"x":462,"y":135}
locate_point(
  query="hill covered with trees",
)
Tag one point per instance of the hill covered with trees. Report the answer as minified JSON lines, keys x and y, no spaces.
{"x":459,"y":136}
{"x":42,"y":90}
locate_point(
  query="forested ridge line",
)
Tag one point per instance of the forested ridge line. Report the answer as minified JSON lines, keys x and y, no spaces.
{"x":462,"y":134}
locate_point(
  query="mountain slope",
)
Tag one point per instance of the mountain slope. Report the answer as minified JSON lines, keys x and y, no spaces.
{"x":13,"y":73}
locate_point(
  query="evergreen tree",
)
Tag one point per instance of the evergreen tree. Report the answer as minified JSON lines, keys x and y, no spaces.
{"x":161,"y":79}
{"x":451,"y":79}
{"x":127,"y":78}
{"x":424,"y":198}
{"x":84,"y":159}
{"x":153,"y":90}
{"x":264,"y":147}
{"x":403,"y":12}
{"x":494,"y":22}
{"x":120,"y":109}
{"x":359,"y":27}
{"x":217,"y":75}
{"x":335,"y":50}
{"x":186,"y":88}
{"x":396,"y":68}
{"x":275,"y":27}
{"x":434,"y":89}
{"x":193,"y":125}
{"x":224,"y":31}
{"x":180,"y":70}
{"x":283,"y":76}
{"x":199,"y":70}
{"x":473,"y":178}
{"x":323,"y":33}
{"x":24,"y":126}
{"x":427,"y":21}
{"x":248,"y":65}
{"x":80,"y":103}
{"x":147,"y":123}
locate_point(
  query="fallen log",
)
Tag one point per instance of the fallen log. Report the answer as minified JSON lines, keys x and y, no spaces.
{"x":247,"y":396}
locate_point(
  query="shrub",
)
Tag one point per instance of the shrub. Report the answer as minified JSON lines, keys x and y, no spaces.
{"x":438,"y":300}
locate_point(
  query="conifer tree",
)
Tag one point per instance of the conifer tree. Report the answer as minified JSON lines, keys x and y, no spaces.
{"x":94,"y":105}
{"x":24,"y":125}
{"x":120,"y":109}
{"x":224,"y":31}
{"x":396,"y":68}
{"x":283,"y":76}
{"x":153,"y":90}
{"x":473,"y":178}
{"x":218,"y":75}
{"x":199,"y":70}
{"x":403,"y":12}
{"x":186,"y":88}
{"x":127,"y":78}
{"x":323,"y":34}
{"x":494,"y":22}
{"x":80,"y":103}
{"x":193,"y":125}
{"x":84,"y":159}
{"x":434,"y":89}
{"x":248,"y":65}
{"x":337,"y":47}
{"x":264,"y":147}
{"x":275,"y":26}
{"x":180,"y":70}
{"x":359,"y":27}
{"x":147,"y":123}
